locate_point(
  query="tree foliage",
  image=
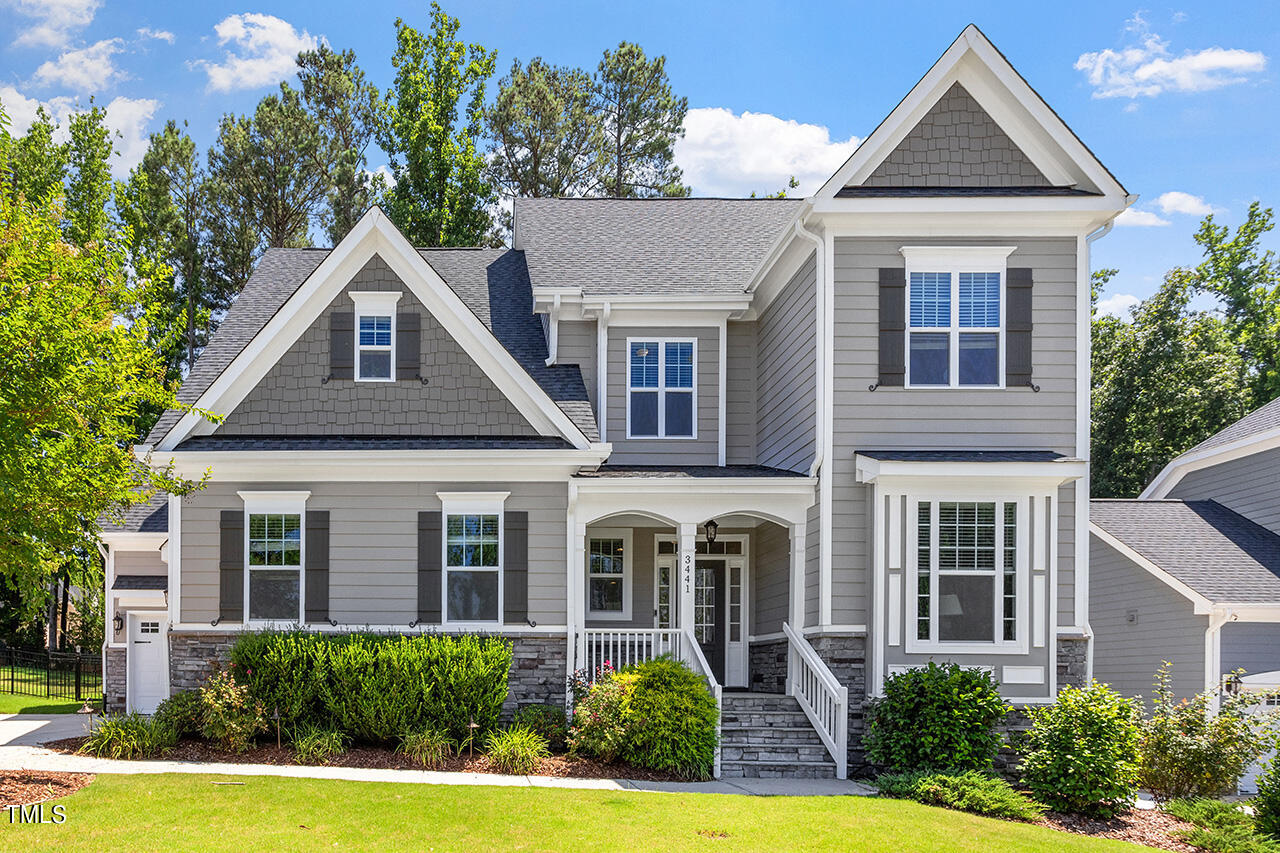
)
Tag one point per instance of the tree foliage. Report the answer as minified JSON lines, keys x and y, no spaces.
{"x":642,"y":121}
{"x":75,"y":365}
{"x":1161,"y":384}
{"x":431,"y":127}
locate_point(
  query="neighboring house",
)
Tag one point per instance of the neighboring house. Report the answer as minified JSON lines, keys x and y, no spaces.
{"x":802,"y":444}
{"x":1190,"y":571}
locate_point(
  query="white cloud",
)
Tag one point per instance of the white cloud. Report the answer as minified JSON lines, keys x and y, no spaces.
{"x":128,"y":119}
{"x":1147,"y":68}
{"x":265,"y":51}
{"x":87,"y":70}
{"x":724,"y":154}
{"x":158,"y":35}
{"x":1180,"y":202}
{"x":1118,"y":305}
{"x":1134,"y":218}
{"x":53,"y":20}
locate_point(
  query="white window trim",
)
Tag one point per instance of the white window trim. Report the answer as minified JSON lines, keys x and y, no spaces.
{"x":623,"y":615}
{"x":661,"y":390}
{"x":380,"y":304}
{"x":472,"y":503}
{"x":292,"y":503}
{"x":955,"y":260}
{"x":1021,"y":645}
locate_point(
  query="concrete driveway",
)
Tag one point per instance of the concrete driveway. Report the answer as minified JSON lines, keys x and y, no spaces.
{"x":35,"y":729}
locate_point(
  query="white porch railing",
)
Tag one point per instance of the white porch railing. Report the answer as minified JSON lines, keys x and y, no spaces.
{"x":625,"y":646}
{"x":824,"y":700}
{"x":629,"y":646}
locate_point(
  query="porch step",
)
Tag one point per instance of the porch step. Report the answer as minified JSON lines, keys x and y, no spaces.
{"x":765,"y":735}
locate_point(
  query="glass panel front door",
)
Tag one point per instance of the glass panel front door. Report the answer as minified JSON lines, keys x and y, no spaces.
{"x":709,"y":612}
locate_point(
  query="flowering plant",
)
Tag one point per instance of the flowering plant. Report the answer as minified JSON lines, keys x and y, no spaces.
{"x":600,"y":719}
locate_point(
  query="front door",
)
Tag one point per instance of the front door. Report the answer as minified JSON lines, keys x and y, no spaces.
{"x":148,"y":661}
{"x":709,"y":612}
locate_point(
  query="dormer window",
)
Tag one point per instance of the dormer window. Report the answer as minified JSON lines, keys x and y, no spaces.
{"x":375,"y":336}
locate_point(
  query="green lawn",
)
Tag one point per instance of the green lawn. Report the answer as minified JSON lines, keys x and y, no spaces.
{"x":14,"y":703}
{"x":181,"y":812}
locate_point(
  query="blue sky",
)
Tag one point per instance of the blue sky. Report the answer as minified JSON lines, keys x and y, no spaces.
{"x":1180,"y":101}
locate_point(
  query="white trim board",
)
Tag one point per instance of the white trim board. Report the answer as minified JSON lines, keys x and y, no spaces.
{"x":1194,"y":460}
{"x":373,"y":235}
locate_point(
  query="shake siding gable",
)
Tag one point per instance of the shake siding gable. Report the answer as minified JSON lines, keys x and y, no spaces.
{"x":301,"y":395}
{"x":786,"y":368}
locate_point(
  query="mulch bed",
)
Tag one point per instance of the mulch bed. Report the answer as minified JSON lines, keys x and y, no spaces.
{"x":364,"y":757}
{"x":1140,"y":826}
{"x":24,"y":787}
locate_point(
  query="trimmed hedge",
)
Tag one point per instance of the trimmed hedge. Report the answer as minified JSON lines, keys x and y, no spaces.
{"x":673,"y":719}
{"x":375,"y":688}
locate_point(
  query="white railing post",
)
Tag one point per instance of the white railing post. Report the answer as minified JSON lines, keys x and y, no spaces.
{"x":824,"y":700}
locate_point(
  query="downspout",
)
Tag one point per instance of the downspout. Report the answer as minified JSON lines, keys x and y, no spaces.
{"x":1213,"y":652}
{"x":553,"y":332}
{"x":1088,"y":628}
{"x":819,"y":451}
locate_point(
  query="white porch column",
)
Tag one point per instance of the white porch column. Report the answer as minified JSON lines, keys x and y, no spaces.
{"x":577,"y":592}
{"x":798,"y":562}
{"x":688,"y":535}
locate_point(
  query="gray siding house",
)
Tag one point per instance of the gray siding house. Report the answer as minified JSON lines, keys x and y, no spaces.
{"x":802,"y":444}
{"x":1190,"y":571}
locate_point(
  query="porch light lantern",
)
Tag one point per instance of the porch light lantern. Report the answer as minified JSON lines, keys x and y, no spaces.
{"x":712,"y":527}
{"x":118,"y":622}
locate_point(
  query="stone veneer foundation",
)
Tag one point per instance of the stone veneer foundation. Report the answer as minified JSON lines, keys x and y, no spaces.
{"x":113,"y":688}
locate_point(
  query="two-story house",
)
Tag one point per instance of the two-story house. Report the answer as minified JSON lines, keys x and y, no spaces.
{"x":803,"y":444}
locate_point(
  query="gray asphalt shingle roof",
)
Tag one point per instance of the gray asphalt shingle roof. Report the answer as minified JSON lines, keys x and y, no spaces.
{"x":1218,"y":553}
{"x":493,"y":283}
{"x":149,"y":517}
{"x":608,"y":246}
{"x":1258,"y":421}
{"x":141,"y":582}
{"x":372,"y":442}
{"x":963,"y":455}
{"x":685,"y":472}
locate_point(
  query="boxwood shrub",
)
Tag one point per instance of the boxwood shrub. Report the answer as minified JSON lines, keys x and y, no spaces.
{"x":938,"y":717}
{"x":375,"y":687}
{"x":672,"y":720}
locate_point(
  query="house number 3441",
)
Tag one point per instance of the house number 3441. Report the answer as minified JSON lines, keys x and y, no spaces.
{"x":686,"y":571}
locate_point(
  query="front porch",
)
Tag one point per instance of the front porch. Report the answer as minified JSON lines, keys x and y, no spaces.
{"x":707,"y":569}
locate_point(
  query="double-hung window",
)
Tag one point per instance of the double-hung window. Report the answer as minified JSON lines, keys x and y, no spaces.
{"x":473,"y":530}
{"x":274,"y":555}
{"x":968,"y":576}
{"x":661,"y":381}
{"x":375,"y":336}
{"x":955,"y":316}
{"x":609,"y":574}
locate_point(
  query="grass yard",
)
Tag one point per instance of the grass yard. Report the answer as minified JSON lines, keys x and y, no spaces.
{"x":14,"y":703}
{"x":185,"y":812}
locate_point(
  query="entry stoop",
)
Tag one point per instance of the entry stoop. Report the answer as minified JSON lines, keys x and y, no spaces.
{"x":768,"y":736}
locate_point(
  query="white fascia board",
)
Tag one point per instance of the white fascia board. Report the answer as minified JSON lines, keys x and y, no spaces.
{"x":847,"y":220}
{"x":139,"y":598}
{"x":705,"y":485}
{"x":1064,"y":211}
{"x":1203,"y":606}
{"x":771,"y":280}
{"x":684,"y":310}
{"x":375,"y":234}
{"x":870,"y":470}
{"x":677,"y":502}
{"x":388,"y":465}
{"x":544,"y":300}
{"x":1251,"y":611}
{"x":1194,"y":460}
{"x":125,"y":540}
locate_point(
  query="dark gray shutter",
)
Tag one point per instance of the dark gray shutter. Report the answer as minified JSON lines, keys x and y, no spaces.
{"x":515,"y":568}
{"x":342,"y":345}
{"x":231,"y":566}
{"x":1017,"y":335}
{"x":429,"y":579}
{"x":408,"y":344}
{"x":317,"y":566}
{"x":893,"y":307}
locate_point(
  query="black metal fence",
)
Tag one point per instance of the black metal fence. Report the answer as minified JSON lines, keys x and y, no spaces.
{"x":54,"y":675}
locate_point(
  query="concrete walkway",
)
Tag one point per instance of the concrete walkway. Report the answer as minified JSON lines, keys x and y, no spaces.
{"x":22,"y":734}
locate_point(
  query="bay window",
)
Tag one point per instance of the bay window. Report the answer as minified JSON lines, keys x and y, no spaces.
{"x":969,"y":580}
{"x":661,"y":396}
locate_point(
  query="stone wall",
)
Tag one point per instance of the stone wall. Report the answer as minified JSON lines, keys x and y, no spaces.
{"x":846,"y":656}
{"x":193,"y":656}
{"x":769,"y":666}
{"x":1073,"y":662}
{"x":113,"y":689}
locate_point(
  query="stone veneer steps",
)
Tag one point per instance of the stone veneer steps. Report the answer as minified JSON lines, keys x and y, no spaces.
{"x":766,"y":735}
